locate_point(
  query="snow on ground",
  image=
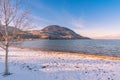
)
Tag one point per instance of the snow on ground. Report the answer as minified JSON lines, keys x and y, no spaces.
{"x":40,"y":65}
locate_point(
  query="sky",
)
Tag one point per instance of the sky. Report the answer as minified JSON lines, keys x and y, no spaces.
{"x":98,"y":19}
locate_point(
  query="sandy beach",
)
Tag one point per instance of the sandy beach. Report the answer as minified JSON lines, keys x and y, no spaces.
{"x":26,"y":64}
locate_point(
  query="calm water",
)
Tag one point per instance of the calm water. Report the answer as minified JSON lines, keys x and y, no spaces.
{"x":102,"y":47}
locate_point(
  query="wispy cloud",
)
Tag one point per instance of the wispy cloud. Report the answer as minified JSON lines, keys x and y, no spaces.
{"x":77,"y":23}
{"x":49,"y":16}
{"x":112,"y":36}
{"x":40,"y":19}
{"x":69,"y":20}
{"x":39,"y":22}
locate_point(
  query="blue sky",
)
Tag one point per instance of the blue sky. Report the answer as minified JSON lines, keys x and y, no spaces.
{"x":93,"y":18}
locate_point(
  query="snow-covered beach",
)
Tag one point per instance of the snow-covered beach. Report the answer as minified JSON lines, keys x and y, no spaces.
{"x":26,"y":64}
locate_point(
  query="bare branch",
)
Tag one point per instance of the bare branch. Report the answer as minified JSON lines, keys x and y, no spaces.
{"x":2,"y":47}
{"x":11,"y":14}
{"x":13,"y":20}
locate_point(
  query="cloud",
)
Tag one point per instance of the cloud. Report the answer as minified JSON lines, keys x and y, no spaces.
{"x":47,"y":15}
{"x":40,"y":19}
{"x":70,"y":20}
{"x":77,"y":23}
{"x":40,"y":22}
{"x":112,"y":36}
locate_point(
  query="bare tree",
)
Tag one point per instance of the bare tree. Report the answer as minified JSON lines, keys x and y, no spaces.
{"x":11,"y":14}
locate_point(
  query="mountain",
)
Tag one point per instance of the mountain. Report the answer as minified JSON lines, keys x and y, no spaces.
{"x":58,"y":32}
{"x":49,"y":32}
{"x":10,"y":28}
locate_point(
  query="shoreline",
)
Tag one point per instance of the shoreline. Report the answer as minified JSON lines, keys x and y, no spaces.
{"x":74,"y":53}
{"x":51,"y":65}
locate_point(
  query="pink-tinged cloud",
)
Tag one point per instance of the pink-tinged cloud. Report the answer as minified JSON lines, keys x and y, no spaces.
{"x":77,"y":24}
{"x":115,"y":36}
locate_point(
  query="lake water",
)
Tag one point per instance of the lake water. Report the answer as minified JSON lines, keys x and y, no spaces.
{"x":101,"y":47}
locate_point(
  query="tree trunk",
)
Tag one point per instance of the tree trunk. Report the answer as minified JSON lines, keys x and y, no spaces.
{"x":6,"y":61}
